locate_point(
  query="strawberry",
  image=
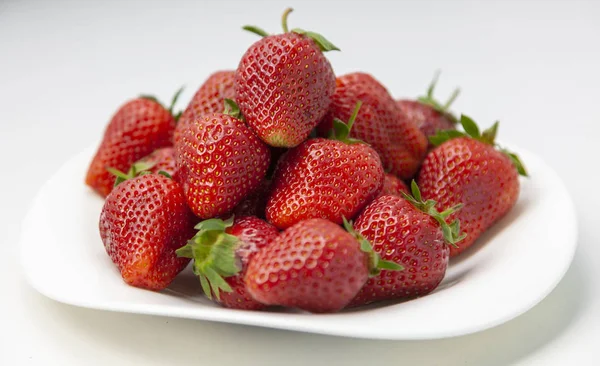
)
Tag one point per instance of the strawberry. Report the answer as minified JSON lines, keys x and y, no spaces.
{"x":220,"y":162}
{"x":412,"y":233}
{"x":398,"y":140}
{"x":393,"y":185}
{"x":324,"y":178}
{"x":143,"y":221}
{"x":255,"y":203}
{"x":470,"y":168}
{"x":208,"y":99}
{"x":221,"y":251}
{"x":138,"y":128}
{"x":429,"y":114}
{"x":314,"y":265}
{"x":284,"y":84}
{"x":162,"y":159}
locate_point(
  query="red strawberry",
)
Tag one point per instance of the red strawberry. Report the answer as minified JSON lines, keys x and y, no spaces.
{"x":393,"y":185}
{"x":220,"y":162}
{"x":284,"y":84}
{"x":429,"y":114}
{"x":410,"y":232}
{"x":255,"y":203}
{"x":208,"y":99}
{"x":314,"y":265}
{"x":469,"y":168}
{"x":398,"y":140}
{"x":143,"y":221}
{"x":324,"y":178}
{"x":162,"y":159}
{"x":138,"y":128}
{"x":221,"y":251}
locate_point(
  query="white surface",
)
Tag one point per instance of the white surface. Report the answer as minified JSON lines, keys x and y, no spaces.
{"x":486,"y":286}
{"x":65,"y":67}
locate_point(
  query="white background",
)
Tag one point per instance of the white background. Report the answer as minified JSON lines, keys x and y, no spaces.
{"x":66,"y":66}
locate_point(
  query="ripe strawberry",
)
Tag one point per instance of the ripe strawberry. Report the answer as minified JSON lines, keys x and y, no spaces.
{"x":143,"y":221}
{"x":469,"y":168}
{"x":221,"y":251}
{"x":398,"y":140}
{"x":393,"y":185}
{"x":220,"y":162}
{"x":138,"y":128}
{"x":162,"y":159}
{"x":284,"y":84}
{"x":207,"y":100}
{"x":429,"y":114}
{"x":324,"y":178}
{"x":255,"y":203}
{"x":314,"y":265}
{"x":410,"y":232}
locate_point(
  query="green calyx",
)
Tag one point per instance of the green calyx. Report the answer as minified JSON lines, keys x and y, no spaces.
{"x":232,"y":109}
{"x":430,"y":100}
{"x":451,"y":232}
{"x":173,"y":102}
{"x":376,"y":264}
{"x":341,"y":130}
{"x":321,"y":41}
{"x":213,"y":252}
{"x":487,"y":136}
{"x":136,"y":169}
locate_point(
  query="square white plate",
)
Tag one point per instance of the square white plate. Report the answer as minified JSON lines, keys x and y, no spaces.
{"x":509,"y":270}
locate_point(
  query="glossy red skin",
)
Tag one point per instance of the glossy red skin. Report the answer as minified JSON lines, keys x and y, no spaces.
{"x":405,"y":235}
{"x":314,"y":265}
{"x":254,"y":234}
{"x":143,"y":221}
{"x":255,"y":203}
{"x":380,"y":123}
{"x":163,"y":160}
{"x":326,"y":179}
{"x":467,"y":171}
{"x":138,"y":128}
{"x":220,"y":162}
{"x":210,"y":98}
{"x":425,"y":117}
{"x":283,"y":86}
{"x":393,"y":185}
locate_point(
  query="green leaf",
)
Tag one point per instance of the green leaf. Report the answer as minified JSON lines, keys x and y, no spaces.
{"x":390,"y":266}
{"x":174,"y":99}
{"x":120,"y":176}
{"x":165,"y":174}
{"x":517,"y":163}
{"x":214,"y":224}
{"x":489,"y":136}
{"x":255,"y":30}
{"x":452,"y":98}
{"x":341,"y":130}
{"x":321,"y":41}
{"x":470,"y":126}
{"x":416,"y":192}
{"x":205,"y":285}
{"x":185,"y":251}
{"x":232,"y":109}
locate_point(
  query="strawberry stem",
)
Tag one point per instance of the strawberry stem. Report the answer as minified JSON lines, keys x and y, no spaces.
{"x":430,"y":100}
{"x":284,"y":17}
{"x":213,"y":252}
{"x":488,"y":136}
{"x":341,"y":130}
{"x":451,"y":232}
{"x":136,"y":169}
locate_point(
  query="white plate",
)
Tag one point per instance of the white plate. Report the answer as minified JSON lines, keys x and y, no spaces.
{"x":511,"y":268}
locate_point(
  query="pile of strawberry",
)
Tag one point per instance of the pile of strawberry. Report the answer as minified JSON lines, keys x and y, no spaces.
{"x":286,"y":185}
